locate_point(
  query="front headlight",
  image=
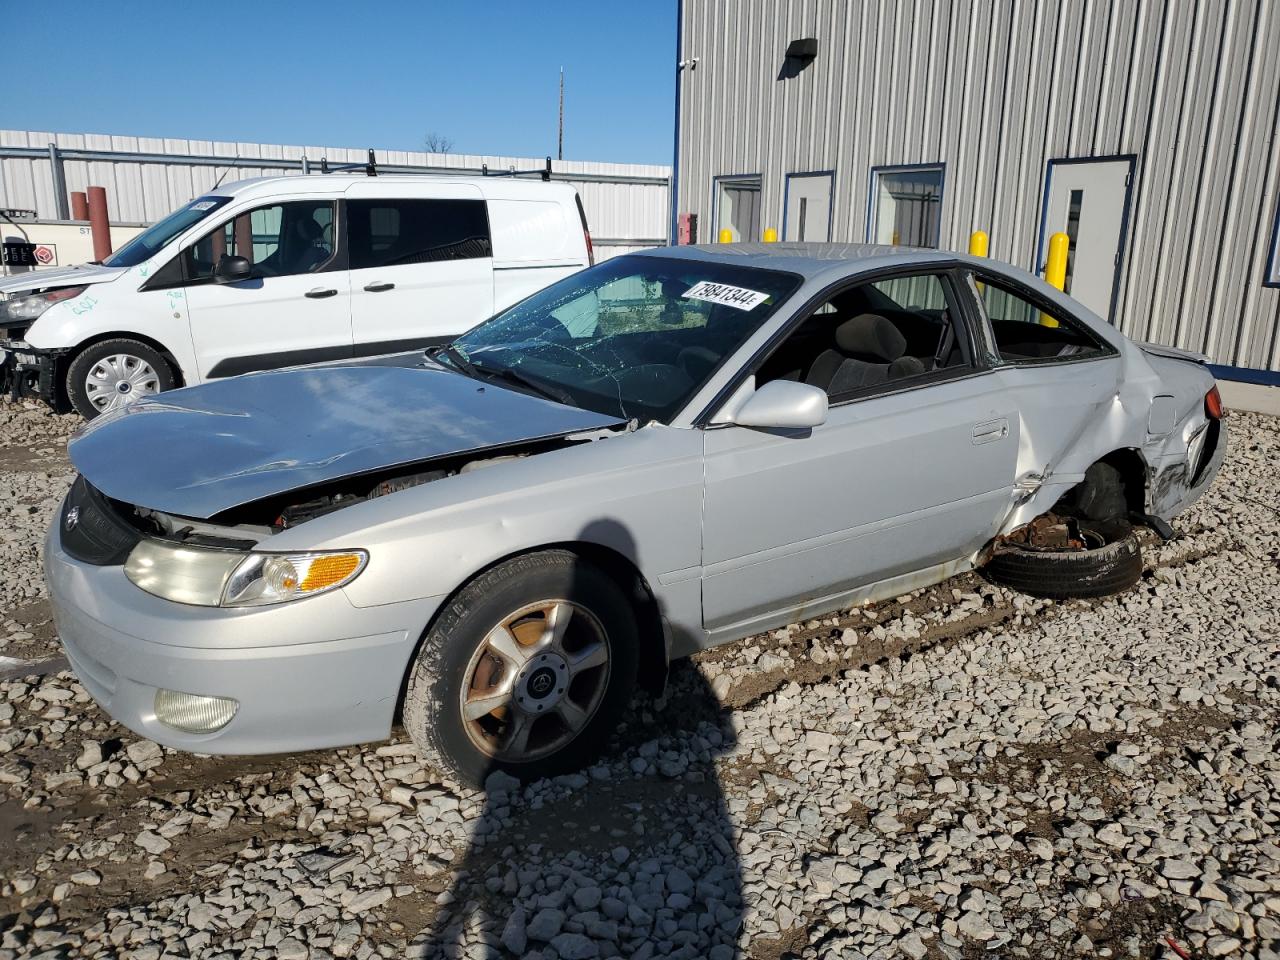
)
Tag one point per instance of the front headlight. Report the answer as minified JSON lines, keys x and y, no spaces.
{"x":231,"y":578}
{"x":33,"y":305}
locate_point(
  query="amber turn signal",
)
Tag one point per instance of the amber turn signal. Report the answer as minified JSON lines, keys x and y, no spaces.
{"x":1213,"y":404}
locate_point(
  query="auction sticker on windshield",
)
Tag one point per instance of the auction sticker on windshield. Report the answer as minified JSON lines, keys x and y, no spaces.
{"x":739,"y":297}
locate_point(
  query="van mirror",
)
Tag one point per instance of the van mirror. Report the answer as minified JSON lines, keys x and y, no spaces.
{"x":232,"y":269}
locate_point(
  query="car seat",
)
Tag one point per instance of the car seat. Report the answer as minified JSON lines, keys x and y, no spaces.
{"x":868,"y":350}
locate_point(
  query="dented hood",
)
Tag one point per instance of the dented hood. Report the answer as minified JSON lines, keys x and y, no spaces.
{"x":20,"y":283}
{"x":203,"y":450}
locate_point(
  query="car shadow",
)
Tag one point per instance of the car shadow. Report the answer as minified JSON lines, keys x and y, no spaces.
{"x":633,"y":856}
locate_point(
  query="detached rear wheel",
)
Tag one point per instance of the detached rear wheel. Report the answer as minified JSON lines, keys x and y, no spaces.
{"x":528,"y":670}
{"x":1111,"y":562}
{"x":113,"y":374}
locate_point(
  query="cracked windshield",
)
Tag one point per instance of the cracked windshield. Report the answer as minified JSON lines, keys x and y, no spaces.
{"x":634,"y":337}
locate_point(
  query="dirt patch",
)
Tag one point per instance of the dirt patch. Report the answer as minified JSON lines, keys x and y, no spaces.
{"x":790,"y":943}
{"x":36,"y":620}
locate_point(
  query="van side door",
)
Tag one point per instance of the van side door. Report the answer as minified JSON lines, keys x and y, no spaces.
{"x":421,"y":265}
{"x":294,"y":307}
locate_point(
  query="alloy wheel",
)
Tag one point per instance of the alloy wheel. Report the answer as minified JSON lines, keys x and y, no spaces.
{"x":535,"y":681}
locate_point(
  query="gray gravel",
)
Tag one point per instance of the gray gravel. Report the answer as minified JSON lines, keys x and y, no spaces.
{"x":957,"y":772}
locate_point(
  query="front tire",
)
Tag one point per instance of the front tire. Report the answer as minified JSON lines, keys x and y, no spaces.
{"x":113,"y":374}
{"x":527,"y":670}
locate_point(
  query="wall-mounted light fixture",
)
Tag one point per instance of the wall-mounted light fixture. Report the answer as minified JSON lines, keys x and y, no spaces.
{"x":800,"y":53}
{"x":803,"y":50}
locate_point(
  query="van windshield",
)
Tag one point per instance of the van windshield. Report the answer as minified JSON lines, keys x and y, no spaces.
{"x":148,"y":243}
{"x":634,"y":337}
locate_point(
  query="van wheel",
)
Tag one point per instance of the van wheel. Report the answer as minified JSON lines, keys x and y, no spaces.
{"x":113,"y":374}
{"x":527,"y":670}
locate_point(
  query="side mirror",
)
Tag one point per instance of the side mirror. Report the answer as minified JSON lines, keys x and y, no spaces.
{"x":232,"y":269}
{"x":780,"y":405}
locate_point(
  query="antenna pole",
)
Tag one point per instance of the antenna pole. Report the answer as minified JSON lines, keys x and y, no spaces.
{"x":560,"y":145}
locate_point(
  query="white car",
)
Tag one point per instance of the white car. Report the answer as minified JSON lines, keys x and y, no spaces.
{"x":279,"y":271}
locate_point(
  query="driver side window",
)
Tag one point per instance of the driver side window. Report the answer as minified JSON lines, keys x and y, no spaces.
{"x":283,"y":239}
{"x":872,"y":338}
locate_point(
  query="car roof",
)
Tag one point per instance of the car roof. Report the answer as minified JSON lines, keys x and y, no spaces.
{"x":808,"y":259}
{"x":339,"y":182}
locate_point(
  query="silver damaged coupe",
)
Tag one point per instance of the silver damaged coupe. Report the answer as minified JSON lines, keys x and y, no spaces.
{"x":498,"y":540}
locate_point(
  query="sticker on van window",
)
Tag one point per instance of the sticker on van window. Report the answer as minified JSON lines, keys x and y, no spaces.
{"x":203,"y":205}
{"x":739,"y":297}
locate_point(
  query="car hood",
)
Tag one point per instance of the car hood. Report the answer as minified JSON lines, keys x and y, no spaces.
{"x":203,"y":450}
{"x":61,"y":277}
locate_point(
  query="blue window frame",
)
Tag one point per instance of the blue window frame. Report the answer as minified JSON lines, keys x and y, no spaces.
{"x":736,"y":207}
{"x":904,"y":205}
{"x":1272,"y":277}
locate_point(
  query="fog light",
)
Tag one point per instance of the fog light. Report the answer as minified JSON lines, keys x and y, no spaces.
{"x":192,"y":713}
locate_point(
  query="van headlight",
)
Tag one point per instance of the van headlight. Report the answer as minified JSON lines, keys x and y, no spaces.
{"x":230,"y":578}
{"x":31,"y":306}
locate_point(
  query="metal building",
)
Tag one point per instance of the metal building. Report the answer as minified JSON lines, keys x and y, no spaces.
{"x":1144,"y":129}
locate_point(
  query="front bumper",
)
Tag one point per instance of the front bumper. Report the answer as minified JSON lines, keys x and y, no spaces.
{"x":28,"y":371}
{"x":313,"y":673}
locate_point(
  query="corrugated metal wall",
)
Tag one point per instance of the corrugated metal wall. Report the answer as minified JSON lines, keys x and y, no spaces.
{"x":995,"y":89}
{"x":144,"y":192}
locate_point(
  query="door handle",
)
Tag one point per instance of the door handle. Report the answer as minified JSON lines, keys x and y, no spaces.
{"x":378,"y":287}
{"x":319,"y":293}
{"x":990,"y":430}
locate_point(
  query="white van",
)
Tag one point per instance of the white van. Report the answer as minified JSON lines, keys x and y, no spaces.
{"x":287,"y":270}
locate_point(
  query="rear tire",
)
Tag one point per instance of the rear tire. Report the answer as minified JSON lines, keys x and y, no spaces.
{"x":1064,"y":574}
{"x":114,"y":373}
{"x":549,"y":642}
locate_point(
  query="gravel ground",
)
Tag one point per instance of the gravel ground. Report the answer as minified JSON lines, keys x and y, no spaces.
{"x":962,"y":771}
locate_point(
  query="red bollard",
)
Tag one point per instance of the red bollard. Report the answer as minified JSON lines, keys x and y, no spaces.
{"x":99,"y":224}
{"x":79,"y":205}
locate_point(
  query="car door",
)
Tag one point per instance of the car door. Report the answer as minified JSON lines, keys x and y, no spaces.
{"x":294,"y":307}
{"x":1061,"y":378}
{"x":421,"y":267}
{"x":906,"y":475}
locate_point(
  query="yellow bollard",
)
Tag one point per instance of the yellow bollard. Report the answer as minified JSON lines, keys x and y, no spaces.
{"x":978,"y":243}
{"x":1055,"y":269}
{"x":770,"y":235}
{"x":726,"y":235}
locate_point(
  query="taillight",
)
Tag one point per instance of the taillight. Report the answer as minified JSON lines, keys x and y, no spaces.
{"x":1213,"y":404}
{"x":586,"y":233}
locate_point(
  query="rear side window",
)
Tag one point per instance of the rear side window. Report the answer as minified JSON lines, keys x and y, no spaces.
{"x":392,"y":233}
{"x":1025,"y":331}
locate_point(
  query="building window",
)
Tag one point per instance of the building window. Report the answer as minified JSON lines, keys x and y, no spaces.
{"x":1272,"y":278}
{"x":738,"y":207}
{"x":905,"y":206}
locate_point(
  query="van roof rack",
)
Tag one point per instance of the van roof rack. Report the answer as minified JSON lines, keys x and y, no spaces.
{"x":370,"y":167}
{"x":543,"y":172}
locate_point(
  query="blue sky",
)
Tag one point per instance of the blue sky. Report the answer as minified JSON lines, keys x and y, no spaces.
{"x":484,"y":74}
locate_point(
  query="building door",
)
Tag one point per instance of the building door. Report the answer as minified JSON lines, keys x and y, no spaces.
{"x":1088,"y":200}
{"x":807,"y":215}
{"x":738,"y":208}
